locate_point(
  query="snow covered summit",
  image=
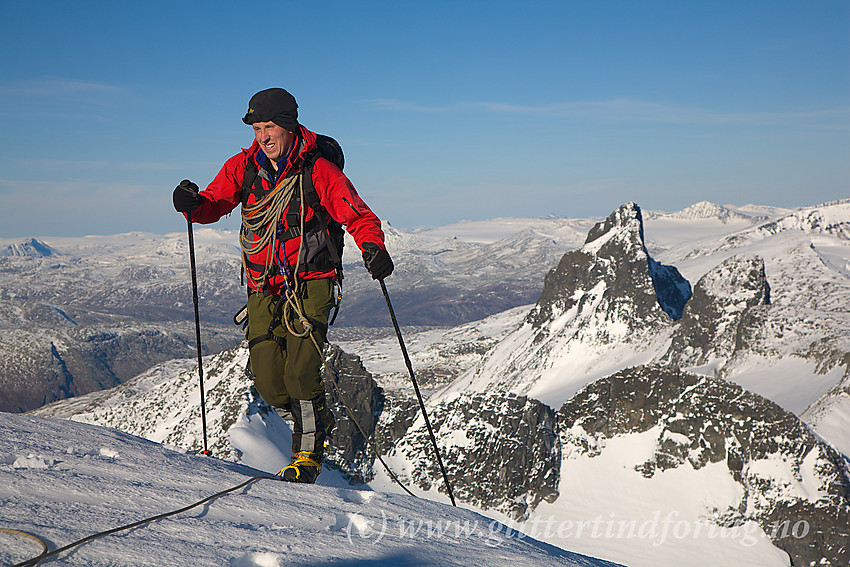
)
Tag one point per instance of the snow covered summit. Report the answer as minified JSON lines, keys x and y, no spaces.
{"x":605,"y":306}
{"x":62,"y":481}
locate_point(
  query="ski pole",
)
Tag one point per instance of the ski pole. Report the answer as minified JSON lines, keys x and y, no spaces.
{"x":206,"y":451}
{"x":416,"y":388}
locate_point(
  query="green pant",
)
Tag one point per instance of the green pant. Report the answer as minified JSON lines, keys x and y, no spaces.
{"x":291,"y":370}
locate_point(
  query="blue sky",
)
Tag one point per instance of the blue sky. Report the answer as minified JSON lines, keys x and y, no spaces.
{"x":446,"y":110}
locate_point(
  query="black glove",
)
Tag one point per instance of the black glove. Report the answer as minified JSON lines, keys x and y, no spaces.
{"x":186,"y":197}
{"x":377,"y":261}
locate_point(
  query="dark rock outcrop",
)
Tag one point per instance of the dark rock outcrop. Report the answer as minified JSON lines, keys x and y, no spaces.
{"x":500,"y":450}
{"x":705,"y":420}
{"x":356,"y":402}
{"x":717,"y":320}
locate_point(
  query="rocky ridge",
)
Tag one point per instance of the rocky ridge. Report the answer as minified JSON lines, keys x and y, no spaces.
{"x":784,"y":471}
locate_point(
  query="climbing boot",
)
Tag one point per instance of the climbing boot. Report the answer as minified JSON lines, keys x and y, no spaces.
{"x":312,"y":424}
{"x":303,"y":468}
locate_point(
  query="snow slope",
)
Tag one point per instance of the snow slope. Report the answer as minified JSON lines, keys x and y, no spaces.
{"x":62,"y":481}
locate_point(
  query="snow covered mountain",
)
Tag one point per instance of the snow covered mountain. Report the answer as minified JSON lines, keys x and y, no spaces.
{"x":724,"y":468}
{"x":81,"y":314}
{"x":121,"y":303}
{"x":62,"y":481}
{"x":646,"y":443}
{"x":604,"y":307}
{"x":29,"y":247}
{"x":596,"y":440}
{"x":705,"y":210}
{"x":769,"y":311}
{"x":602,"y":311}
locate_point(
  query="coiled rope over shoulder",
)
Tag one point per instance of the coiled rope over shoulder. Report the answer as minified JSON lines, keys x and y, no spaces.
{"x":293,"y":297}
{"x":261,"y":219}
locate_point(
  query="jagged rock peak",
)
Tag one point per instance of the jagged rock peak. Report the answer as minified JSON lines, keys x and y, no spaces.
{"x":719,"y":317}
{"x":612,"y":274}
{"x":30,"y":247}
{"x":626,"y":218}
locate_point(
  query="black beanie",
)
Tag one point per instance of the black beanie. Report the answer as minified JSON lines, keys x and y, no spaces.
{"x":273,"y":105}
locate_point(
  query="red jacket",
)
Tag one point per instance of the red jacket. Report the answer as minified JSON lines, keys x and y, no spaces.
{"x":336,"y":195}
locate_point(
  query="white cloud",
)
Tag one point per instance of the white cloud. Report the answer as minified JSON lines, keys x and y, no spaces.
{"x":63,"y":99}
{"x":630,"y":110}
{"x":58,"y":88}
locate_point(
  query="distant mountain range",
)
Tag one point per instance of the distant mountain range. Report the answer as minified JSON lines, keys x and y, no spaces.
{"x":690,"y":368}
{"x":82,"y":314}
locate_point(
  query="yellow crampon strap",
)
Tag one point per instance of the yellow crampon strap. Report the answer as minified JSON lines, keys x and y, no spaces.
{"x":301,"y":458}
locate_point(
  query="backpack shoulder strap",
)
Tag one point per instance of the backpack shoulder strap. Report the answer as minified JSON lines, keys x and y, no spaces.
{"x":311,"y":198}
{"x":251,"y":182}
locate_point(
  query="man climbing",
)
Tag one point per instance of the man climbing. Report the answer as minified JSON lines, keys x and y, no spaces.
{"x":294,"y":203}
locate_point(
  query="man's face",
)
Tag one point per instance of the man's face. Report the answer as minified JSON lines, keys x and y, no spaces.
{"x":274,"y":140}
